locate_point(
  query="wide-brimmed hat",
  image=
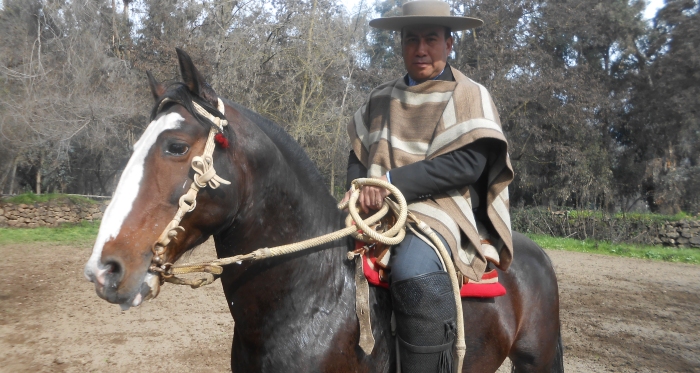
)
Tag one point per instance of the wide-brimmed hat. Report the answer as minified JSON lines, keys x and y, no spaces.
{"x":424,"y":12}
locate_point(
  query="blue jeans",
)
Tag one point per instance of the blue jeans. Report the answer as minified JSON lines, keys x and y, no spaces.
{"x":413,"y":257}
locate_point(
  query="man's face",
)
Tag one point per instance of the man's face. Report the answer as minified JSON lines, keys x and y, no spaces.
{"x":425,"y":51}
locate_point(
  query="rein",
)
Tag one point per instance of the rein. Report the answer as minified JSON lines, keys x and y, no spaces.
{"x":359,"y":229}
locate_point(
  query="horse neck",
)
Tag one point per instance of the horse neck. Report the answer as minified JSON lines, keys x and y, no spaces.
{"x":284,"y":208}
{"x":287,"y":191}
{"x":289,"y":204}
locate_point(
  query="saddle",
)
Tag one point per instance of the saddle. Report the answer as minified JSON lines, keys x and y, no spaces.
{"x":375,"y":265}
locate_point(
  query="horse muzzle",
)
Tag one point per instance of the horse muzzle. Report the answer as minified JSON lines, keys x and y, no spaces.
{"x":107,"y":279}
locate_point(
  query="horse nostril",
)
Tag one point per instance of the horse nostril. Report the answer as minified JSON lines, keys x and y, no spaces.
{"x":113,"y":267}
{"x":114,"y":273}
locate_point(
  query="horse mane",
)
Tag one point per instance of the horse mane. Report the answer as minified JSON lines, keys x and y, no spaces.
{"x":303,"y":166}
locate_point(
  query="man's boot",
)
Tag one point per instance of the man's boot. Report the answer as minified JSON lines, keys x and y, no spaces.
{"x":425,"y":322}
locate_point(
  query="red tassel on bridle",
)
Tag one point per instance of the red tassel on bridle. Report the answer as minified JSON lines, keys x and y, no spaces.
{"x":221,"y":140}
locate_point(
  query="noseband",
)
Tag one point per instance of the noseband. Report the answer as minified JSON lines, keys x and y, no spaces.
{"x":205,"y":174}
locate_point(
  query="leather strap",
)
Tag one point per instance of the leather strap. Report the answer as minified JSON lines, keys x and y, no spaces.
{"x":362,"y":307}
{"x":425,"y":349}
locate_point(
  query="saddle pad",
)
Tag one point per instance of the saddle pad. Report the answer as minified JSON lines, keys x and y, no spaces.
{"x":488,"y":287}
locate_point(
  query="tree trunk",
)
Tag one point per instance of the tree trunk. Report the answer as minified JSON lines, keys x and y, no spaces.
{"x":98,"y":164}
{"x":309,"y":38}
{"x":11,"y":174}
{"x":115,"y":30}
{"x":12,"y":178}
{"x":38,"y":181}
{"x":339,"y":129}
{"x":5,"y":176}
{"x":38,"y":175}
{"x":222,"y":35}
{"x":332,"y":177}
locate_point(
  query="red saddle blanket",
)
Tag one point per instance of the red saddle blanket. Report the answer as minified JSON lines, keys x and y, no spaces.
{"x":488,"y":287}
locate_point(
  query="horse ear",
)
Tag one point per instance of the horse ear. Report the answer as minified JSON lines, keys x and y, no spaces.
{"x":157,"y":89}
{"x":193,"y":79}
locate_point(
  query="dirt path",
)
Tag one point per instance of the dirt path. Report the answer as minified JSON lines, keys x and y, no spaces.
{"x":619,"y":315}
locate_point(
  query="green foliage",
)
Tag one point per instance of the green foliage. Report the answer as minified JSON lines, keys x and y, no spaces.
{"x":636,"y":228}
{"x":29,"y":198}
{"x":642,"y":217}
{"x":662,"y":134}
{"x":656,"y":217}
{"x":624,"y":250}
{"x":72,"y":234}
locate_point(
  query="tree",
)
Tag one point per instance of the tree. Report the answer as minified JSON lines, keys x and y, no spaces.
{"x":661,"y":132}
{"x":599,"y":107}
{"x":60,"y":96}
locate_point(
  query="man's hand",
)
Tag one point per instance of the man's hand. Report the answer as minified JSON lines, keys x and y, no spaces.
{"x":371,"y":197}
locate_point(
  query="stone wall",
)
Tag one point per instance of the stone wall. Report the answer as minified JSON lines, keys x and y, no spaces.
{"x":633,"y":229}
{"x":48,"y":214}
{"x":684,"y":233}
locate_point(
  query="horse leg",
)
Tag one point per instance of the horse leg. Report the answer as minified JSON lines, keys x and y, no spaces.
{"x":543,"y":357}
{"x":537,"y":346}
{"x":490,"y":329}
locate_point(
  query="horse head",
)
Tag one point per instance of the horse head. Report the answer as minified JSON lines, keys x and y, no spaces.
{"x":133,"y":238}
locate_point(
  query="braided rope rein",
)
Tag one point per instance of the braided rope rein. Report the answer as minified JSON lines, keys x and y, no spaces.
{"x":367,"y":234}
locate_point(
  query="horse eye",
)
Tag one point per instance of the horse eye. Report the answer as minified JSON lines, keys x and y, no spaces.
{"x":177,"y":149}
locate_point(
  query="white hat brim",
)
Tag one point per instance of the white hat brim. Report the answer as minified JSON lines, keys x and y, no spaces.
{"x":399,"y":22}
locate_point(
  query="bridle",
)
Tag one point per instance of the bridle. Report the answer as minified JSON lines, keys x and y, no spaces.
{"x":205,"y":175}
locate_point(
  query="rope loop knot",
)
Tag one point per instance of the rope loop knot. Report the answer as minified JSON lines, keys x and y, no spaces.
{"x":220,"y":123}
{"x":205,"y":174}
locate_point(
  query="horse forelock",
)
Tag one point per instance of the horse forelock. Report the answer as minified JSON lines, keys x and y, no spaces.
{"x":178,"y":93}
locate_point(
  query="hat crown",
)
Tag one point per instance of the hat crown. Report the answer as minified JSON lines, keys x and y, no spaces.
{"x":426,"y":8}
{"x":426,"y":12}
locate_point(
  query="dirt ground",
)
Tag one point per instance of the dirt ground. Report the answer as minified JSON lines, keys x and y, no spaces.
{"x":618,"y":315}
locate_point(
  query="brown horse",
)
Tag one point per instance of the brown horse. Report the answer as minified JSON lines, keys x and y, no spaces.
{"x":293,"y":313}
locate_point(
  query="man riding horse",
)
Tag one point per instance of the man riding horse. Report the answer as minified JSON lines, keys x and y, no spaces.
{"x":435,"y":134}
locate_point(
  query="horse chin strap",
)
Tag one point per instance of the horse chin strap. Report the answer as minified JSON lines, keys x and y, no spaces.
{"x":204,"y":176}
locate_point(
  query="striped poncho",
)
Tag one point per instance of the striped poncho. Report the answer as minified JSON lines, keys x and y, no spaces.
{"x":400,"y":125}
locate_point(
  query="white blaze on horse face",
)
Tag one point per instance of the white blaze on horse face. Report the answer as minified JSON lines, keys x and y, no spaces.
{"x":127,"y":190}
